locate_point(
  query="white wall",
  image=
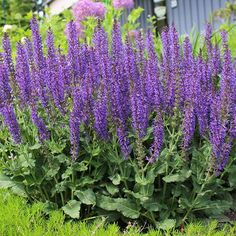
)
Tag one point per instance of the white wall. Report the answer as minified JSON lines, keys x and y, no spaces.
{"x":57,"y":6}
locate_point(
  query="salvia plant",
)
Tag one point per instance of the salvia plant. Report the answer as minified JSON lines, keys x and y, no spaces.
{"x":113,"y":129}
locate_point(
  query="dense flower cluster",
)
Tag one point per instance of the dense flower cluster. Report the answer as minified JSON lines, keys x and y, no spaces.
{"x":123,"y":88}
{"x":119,"y":4}
{"x":87,"y":8}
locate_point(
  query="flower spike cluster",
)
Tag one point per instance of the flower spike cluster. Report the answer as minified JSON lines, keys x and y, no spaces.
{"x":122,"y":91}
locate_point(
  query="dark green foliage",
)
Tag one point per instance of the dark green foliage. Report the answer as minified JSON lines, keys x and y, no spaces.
{"x":177,"y":188}
{"x":14,"y":11}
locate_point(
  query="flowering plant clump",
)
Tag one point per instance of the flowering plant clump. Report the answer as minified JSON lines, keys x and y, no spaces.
{"x":115,"y":129}
{"x":87,"y":8}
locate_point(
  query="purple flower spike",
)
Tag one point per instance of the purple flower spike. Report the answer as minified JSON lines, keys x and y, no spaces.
{"x":11,"y":122}
{"x":75,"y":121}
{"x":23,"y":75}
{"x":7,"y":57}
{"x":41,"y":80}
{"x":73,"y":52}
{"x":158,"y":133}
{"x":123,"y":140}
{"x":39,"y":123}
{"x":5,"y":89}
{"x":55,"y":73}
{"x":167,"y":70}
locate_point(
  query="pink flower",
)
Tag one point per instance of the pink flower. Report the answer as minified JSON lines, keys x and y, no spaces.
{"x":133,"y":34}
{"x":128,"y":4}
{"x":85,"y":8}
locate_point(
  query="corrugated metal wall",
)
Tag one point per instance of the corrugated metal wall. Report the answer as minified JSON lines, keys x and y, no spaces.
{"x":192,"y":13}
{"x":148,"y":10}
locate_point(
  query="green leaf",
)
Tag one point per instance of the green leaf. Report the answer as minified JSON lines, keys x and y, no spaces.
{"x":19,"y":190}
{"x":128,"y":208}
{"x":72,"y":208}
{"x":232,"y":176}
{"x":135,"y":14}
{"x":35,"y":146}
{"x":106,"y":203}
{"x":6,"y":182}
{"x":115,"y":179}
{"x":87,"y":197}
{"x":167,"y":224}
{"x":112,"y":189}
{"x":177,"y":177}
{"x":152,"y":205}
{"x":80,"y":166}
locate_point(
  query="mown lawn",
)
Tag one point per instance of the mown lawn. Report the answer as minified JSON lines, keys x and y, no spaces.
{"x":19,"y":218}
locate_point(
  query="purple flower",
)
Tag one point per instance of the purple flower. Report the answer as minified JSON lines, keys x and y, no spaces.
{"x":23,"y":75}
{"x":40,"y":124}
{"x":191,"y":82}
{"x":73,"y":52}
{"x":5,"y":89}
{"x":11,"y":122}
{"x":158,"y":133}
{"x":176,"y":64}
{"x":54,"y":72}
{"x":203,"y":91}
{"x":166,"y":69}
{"x":227,"y":83}
{"x":29,"y":51}
{"x":7,"y":57}
{"x":41,"y":80}
{"x":100,"y":115}
{"x":122,"y":135}
{"x":86,"y":8}
{"x":218,"y":129}
{"x":127,"y":4}
{"x":75,"y":121}
{"x":118,"y":83}
{"x":153,"y":84}
{"x":208,"y":36}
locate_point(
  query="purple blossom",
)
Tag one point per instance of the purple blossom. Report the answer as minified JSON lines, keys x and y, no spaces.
{"x":41,"y":79}
{"x":191,"y":82}
{"x":55,"y":73}
{"x":40,"y":124}
{"x":166,"y":69}
{"x":153,"y":84}
{"x":218,"y":129}
{"x":10,"y":121}
{"x":227,"y":88}
{"x":75,"y":121}
{"x":118,"y":83}
{"x":204,"y":88}
{"x":73,"y":52}
{"x":23,"y":75}
{"x":86,"y":8}
{"x":5,"y":89}
{"x":7,"y":57}
{"x":127,"y":4}
{"x":100,"y":115}
{"x":177,"y":72}
{"x":122,"y":135}
{"x":158,"y":133}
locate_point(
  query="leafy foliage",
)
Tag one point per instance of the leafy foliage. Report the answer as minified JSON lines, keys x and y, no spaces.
{"x":173,"y":188}
{"x":177,"y":187}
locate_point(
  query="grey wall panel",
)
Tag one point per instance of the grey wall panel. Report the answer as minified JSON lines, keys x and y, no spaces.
{"x":192,"y":13}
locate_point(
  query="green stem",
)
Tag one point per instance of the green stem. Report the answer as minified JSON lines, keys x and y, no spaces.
{"x":61,"y":194}
{"x":73,"y":182}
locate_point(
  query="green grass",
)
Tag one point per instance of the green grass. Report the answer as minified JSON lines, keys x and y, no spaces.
{"x":20,"y":219}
